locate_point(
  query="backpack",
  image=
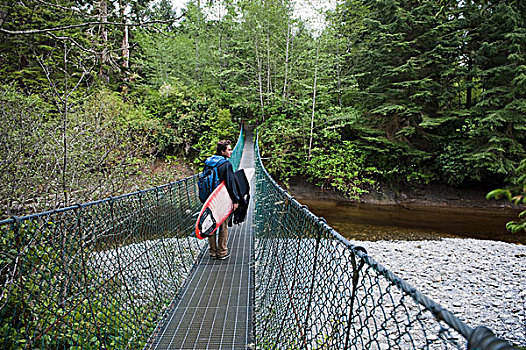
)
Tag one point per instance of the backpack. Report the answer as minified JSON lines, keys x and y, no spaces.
{"x":208,"y":180}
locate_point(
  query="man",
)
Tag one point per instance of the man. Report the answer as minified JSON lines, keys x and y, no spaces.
{"x":218,"y":241}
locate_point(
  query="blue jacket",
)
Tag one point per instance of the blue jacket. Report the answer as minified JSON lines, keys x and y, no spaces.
{"x":225,"y":173}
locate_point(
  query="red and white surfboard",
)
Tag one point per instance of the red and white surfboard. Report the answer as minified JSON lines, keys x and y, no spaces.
{"x":216,"y":209}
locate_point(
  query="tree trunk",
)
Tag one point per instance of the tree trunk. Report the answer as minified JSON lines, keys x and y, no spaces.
{"x":339,"y":70}
{"x":197,"y":75}
{"x":314,"y":98}
{"x":221,"y":58}
{"x":469,"y":81}
{"x":103,"y":15}
{"x":269,"y":81}
{"x":65,"y":129}
{"x":125,"y":49}
{"x":286,"y":60}
{"x":260,"y":80}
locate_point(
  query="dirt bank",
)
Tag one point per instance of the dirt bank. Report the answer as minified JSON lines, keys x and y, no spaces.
{"x":427,"y":195}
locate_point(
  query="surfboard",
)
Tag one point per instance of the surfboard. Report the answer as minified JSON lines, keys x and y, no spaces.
{"x":216,"y":209}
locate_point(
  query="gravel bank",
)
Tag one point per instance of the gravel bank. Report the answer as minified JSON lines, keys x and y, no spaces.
{"x":481,"y":282}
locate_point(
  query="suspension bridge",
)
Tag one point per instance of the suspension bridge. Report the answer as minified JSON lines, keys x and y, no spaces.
{"x":127,"y":273}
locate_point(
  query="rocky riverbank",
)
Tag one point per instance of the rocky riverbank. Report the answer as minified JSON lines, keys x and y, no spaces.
{"x":481,"y":282}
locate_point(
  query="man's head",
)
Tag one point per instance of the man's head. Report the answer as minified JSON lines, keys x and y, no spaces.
{"x":224,"y":148}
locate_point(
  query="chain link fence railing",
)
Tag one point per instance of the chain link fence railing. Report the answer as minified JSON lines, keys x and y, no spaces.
{"x":235,"y":159}
{"x":98,"y":275}
{"x":315,"y":290}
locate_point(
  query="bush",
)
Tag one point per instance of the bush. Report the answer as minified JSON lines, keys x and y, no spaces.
{"x":51,"y":160}
{"x":342,"y":166}
{"x":192,"y":122}
{"x":221,"y":127}
{"x":516,"y":194}
{"x":52,"y":301}
{"x":282,"y":146}
{"x":29,"y":150}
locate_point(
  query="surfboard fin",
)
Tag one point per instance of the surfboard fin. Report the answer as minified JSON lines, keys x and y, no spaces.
{"x":207,"y":223}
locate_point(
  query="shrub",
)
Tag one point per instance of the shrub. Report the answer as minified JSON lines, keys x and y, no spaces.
{"x":341,"y":166}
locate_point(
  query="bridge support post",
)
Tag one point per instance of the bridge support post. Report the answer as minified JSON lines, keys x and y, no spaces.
{"x":355,"y":277}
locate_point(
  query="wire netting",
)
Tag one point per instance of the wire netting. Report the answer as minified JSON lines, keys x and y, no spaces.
{"x":98,"y":275}
{"x":235,"y":159}
{"x":315,"y":290}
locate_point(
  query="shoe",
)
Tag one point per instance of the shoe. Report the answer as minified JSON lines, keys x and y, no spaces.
{"x":212,"y":253}
{"x":226,"y":256}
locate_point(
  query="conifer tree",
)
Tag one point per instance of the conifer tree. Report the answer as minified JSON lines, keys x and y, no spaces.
{"x":495,"y":129}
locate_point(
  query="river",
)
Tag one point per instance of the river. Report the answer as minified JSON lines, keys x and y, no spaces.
{"x":415,"y":222}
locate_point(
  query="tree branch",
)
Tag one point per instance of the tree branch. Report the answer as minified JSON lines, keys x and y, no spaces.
{"x":72,"y":9}
{"x":72,"y":41}
{"x":74,"y":26}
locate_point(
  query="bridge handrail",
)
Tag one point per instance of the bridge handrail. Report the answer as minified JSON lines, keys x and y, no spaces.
{"x":274,"y":203}
{"x":100,"y":274}
{"x":235,"y":159}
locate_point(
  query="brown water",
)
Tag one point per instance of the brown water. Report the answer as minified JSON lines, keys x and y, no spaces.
{"x":394,"y":222}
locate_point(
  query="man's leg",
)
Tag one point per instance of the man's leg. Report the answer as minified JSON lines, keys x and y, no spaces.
{"x":212,"y":247}
{"x":222,"y":249}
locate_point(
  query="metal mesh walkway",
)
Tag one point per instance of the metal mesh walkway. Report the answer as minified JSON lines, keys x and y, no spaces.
{"x":215,"y":310}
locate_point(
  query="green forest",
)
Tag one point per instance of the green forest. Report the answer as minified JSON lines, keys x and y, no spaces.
{"x":100,"y":98}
